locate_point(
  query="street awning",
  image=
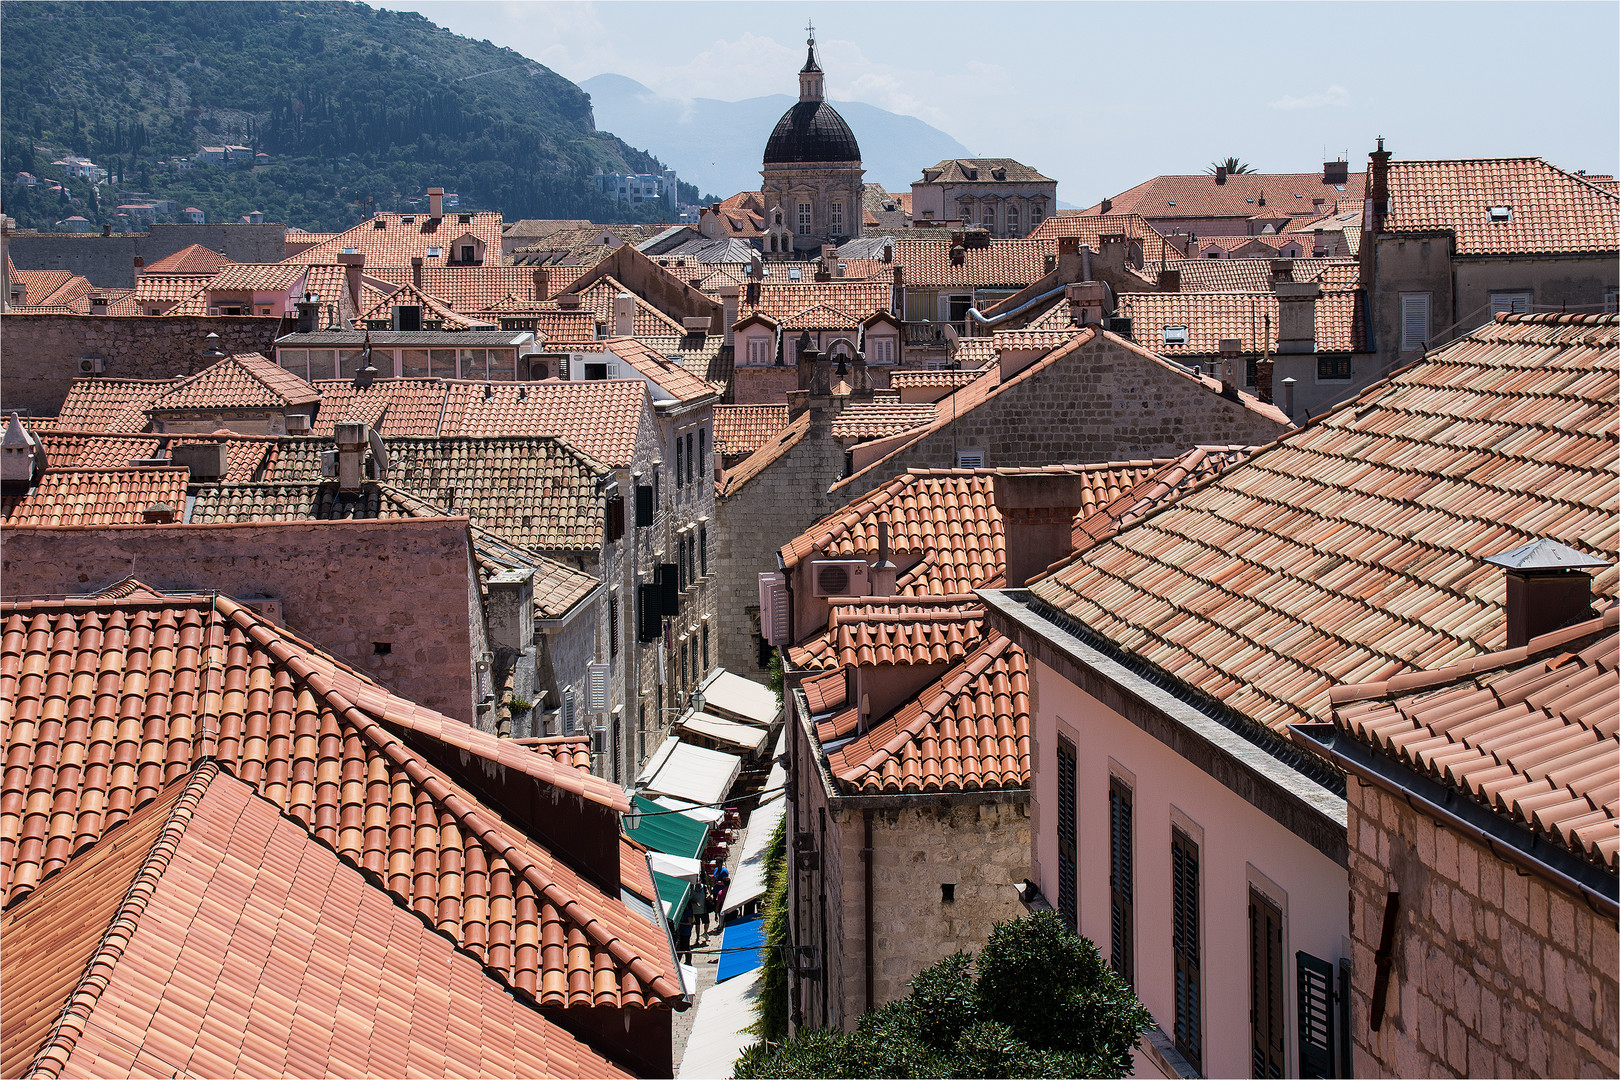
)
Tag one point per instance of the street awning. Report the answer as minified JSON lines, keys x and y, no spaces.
{"x":708,"y":815}
{"x":660,"y":830}
{"x":720,"y":1032}
{"x":736,"y":698}
{"x":674,"y":894}
{"x":729,"y":733}
{"x":748,"y":884}
{"x":742,"y":949}
{"x":690,"y":772}
{"x":673,"y":866}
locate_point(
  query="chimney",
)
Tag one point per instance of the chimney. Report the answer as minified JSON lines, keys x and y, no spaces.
{"x":1107,"y":205}
{"x":353,"y":264}
{"x":511,"y":610}
{"x":206,"y":460}
{"x":435,"y":202}
{"x":98,"y":305}
{"x":1086,"y":302}
{"x":1378,"y":185}
{"x":351,"y":445}
{"x":416,"y":272}
{"x":309,"y":313}
{"x":1335,"y":172}
{"x":728,"y":311}
{"x":885,"y":575}
{"x":1037,"y":520}
{"x":106,"y":230}
{"x":1231,"y":377}
{"x":1262,"y":380}
{"x":568,"y":301}
{"x":21,"y":456}
{"x":958,"y":254}
{"x":1220,"y":174}
{"x":888,"y":252}
{"x":1288,"y":397}
{"x":159,"y":513}
{"x":899,"y":273}
{"x":1169,"y":280}
{"x":542,"y":283}
{"x":624,"y":315}
{"x":1296,"y":314}
{"x":140,"y":264}
{"x":1548,"y":588}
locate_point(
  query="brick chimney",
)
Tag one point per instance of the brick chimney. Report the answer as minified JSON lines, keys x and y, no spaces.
{"x":353,"y":263}
{"x":1548,"y":587}
{"x":542,"y":283}
{"x":435,"y":202}
{"x":140,"y":265}
{"x":1220,"y":174}
{"x":1087,"y":302}
{"x":416,"y":271}
{"x":1378,"y":185}
{"x":1169,"y":280}
{"x":1037,"y":520}
{"x":1231,"y":372}
{"x":1107,"y":205}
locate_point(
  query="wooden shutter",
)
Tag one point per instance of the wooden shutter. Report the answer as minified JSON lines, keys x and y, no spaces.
{"x":1266,"y":1025}
{"x":704,"y":465}
{"x":703,"y":549}
{"x":649,"y":612}
{"x":1122,"y":915}
{"x":668,"y":577}
{"x":1414,"y":320}
{"x":691,"y":458}
{"x":680,"y":461}
{"x":613,"y":624}
{"x":1184,"y":945}
{"x":596,"y":688}
{"x":615,"y":518}
{"x":644,"y":505}
{"x":1067,"y":904}
{"x":1316,"y":1014}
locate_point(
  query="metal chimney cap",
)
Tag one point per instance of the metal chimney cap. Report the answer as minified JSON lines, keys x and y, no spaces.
{"x":1546,"y":555}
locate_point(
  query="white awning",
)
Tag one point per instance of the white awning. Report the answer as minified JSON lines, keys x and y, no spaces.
{"x":690,"y":772}
{"x":748,"y":883}
{"x":720,"y":1033}
{"x":737,"y":698}
{"x":709,"y":815}
{"x":675,"y":866}
{"x":745,"y":737}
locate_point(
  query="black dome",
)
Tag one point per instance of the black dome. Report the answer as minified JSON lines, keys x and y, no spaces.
{"x":811,"y":131}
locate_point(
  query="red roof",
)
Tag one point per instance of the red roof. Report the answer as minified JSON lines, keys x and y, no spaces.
{"x":256,"y":277}
{"x":1091,"y":230}
{"x":742,"y":429}
{"x":1530,"y":732}
{"x":1008,"y":264}
{"x":242,"y":381}
{"x":1549,"y":211}
{"x":396,"y":242}
{"x":397,"y":408}
{"x":782,"y":300}
{"x":873,"y":419}
{"x":97,"y":496}
{"x":673,"y":379}
{"x":1251,"y":317}
{"x":191,"y":259}
{"x":600,"y":417}
{"x":1239,"y":197}
{"x":891,"y":630}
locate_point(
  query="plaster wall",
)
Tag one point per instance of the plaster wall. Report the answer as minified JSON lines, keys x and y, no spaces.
{"x":1239,"y":847}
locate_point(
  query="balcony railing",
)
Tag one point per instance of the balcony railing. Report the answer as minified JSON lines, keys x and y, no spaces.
{"x":931,"y":334}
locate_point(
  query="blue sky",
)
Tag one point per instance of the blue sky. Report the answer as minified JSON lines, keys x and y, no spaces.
{"x":1104,"y":95}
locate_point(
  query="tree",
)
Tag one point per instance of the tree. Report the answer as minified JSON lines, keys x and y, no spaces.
{"x":1043,"y":1003}
{"x":1232,"y":165}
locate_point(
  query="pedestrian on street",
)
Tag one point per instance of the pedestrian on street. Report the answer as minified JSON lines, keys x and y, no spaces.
{"x":683,"y":937}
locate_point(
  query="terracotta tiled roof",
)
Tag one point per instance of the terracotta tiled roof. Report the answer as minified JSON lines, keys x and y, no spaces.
{"x":670,"y":376}
{"x":1550,"y":211}
{"x":600,"y":417}
{"x":649,"y":321}
{"x":56,"y":289}
{"x":398,"y":408}
{"x":1353,"y":550}
{"x":940,"y":377}
{"x":825,"y":692}
{"x":200,"y":877}
{"x":1211,"y":316}
{"x":821,"y":317}
{"x":307,"y":500}
{"x":970,"y":731}
{"x":1274,"y":242}
{"x":432,"y":308}
{"x":910,"y":630}
{"x":1010,"y":264}
{"x":191,"y":259}
{"x":781,"y":301}
{"x":1201,"y":197}
{"x":558,"y":587}
{"x":326,"y":747}
{"x":1091,"y":230}
{"x":396,"y":243}
{"x":871,"y":420}
{"x":770,"y":450}
{"x":1162,"y":486}
{"x":742,"y":429}
{"x":257,"y":277}
{"x":1530,"y":732}
{"x":242,"y":381}
{"x":981,"y":171}
{"x":97,"y":496}
{"x":188,"y":293}
{"x":1254,"y":275}
{"x":244,"y":454}
{"x":471,"y":289}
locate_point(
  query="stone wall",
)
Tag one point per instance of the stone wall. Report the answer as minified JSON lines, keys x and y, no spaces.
{"x":1496,"y":972}
{"x":39,"y":354}
{"x":762,"y":385}
{"x":347,"y":586}
{"x":109,"y":261}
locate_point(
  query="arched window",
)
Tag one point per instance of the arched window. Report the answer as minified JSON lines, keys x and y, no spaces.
{"x":1012,"y":219}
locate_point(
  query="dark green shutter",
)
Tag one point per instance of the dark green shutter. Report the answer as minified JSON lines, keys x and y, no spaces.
{"x":1122,"y":912}
{"x":1067,"y":904}
{"x":1315,"y":995}
{"x":644,"y":505}
{"x":667,"y":575}
{"x":1266,"y":1034}
{"x":1184,"y":946}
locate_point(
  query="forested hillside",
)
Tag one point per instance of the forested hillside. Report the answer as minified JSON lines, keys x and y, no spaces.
{"x":357,"y":110}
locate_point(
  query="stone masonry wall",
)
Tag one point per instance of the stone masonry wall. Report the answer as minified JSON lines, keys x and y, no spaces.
{"x":39,"y":354}
{"x":344,"y":585}
{"x":109,"y":261}
{"x":1496,"y":972}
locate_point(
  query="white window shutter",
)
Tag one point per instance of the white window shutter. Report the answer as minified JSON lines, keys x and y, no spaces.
{"x":570,"y":721}
{"x":596,"y":699}
{"x":1414,"y":320}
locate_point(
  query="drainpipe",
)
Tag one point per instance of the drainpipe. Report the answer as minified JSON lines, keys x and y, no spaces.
{"x":982,"y":320}
{"x":866,"y":856}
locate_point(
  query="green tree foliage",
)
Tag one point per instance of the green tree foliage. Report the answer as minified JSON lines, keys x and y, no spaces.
{"x":1042,"y":1003}
{"x":1232,"y":165}
{"x":772,"y":1003}
{"x":358,"y":109}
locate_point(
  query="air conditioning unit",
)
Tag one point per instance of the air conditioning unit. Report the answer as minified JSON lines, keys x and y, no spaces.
{"x":839,"y":577}
{"x":598,"y":741}
{"x":329,"y":463}
{"x":92,"y":365}
{"x":773,"y":609}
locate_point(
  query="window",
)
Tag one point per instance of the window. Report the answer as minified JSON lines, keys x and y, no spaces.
{"x":1267,"y":1028}
{"x":759,"y":351}
{"x":989,"y":215}
{"x":1175,"y":335}
{"x":1067,"y":902}
{"x":703,"y":549}
{"x":1512,"y":303}
{"x":1332,"y":368}
{"x":1251,"y":372}
{"x":1414,"y":320}
{"x":435,"y":252}
{"x":613,"y":624}
{"x":882,"y":350}
{"x":686,"y":664}
{"x":681,"y":562}
{"x":691,"y":458}
{"x":705,"y":648}
{"x":466,"y":253}
{"x":596,"y":371}
{"x":1184,"y":946}
{"x":644,"y":505}
{"x":1501,"y":213}
{"x":804,"y":219}
{"x":1012,"y":221}
{"x":680,"y":462}
{"x":835,"y":219}
{"x":1034,"y":217}
{"x":1121,"y":933}
{"x":703,"y":464}
{"x":615,"y":517}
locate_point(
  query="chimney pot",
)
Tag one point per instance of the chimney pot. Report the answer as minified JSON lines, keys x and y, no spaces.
{"x":1548,"y":588}
{"x":1220,"y":174}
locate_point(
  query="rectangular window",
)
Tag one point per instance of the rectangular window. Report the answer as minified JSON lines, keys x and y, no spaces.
{"x":1267,"y":1028}
{"x":804,"y":219}
{"x":882,"y":350}
{"x":293,"y":360}
{"x":1511,"y":303}
{"x":703,"y":549}
{"x":703,"y":464}
{"x":990,"y":216}
{"x":836,"y":218}
{"x":680,"y":462}
{"x":413,"y":363}
{"x":681,"y":562}
{"x":1122,"y":914}
{"x":443,"y":363}
{"x":1332,"y":368}
{"x":1184,"y":947}
{"x":691,"y":458}
{"x":686,"y":664}
{"x":1414,"y":320}
{"x":613,"y":624}
{"x":1319,"y":1016}
{"x":1611,"y":300}
{"x":1067,"y":900}
{"x":644,"y":505}
{"x":759,"y":351}
{"x":1012,"y":221}
{"x":615,"y":517}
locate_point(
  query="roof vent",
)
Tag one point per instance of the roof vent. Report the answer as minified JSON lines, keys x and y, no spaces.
{"x":1548,"y":587}
{"x":159,"y":513}
{"x":379,"y":224}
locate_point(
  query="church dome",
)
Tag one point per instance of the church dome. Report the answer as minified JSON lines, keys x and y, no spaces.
{"x":811,"y":131}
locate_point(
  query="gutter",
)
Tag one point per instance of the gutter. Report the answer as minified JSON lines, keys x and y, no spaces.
{"x":1505,"y":839}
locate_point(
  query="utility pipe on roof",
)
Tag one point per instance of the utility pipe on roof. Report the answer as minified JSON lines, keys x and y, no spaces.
{"x":984,"y":320}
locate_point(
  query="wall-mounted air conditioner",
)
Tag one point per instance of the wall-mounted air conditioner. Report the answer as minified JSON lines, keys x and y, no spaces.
{"x":840,"y":577}
{"x":92,"y":365}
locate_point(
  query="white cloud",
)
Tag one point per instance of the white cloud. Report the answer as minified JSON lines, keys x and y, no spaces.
{"x":1335,"y":96}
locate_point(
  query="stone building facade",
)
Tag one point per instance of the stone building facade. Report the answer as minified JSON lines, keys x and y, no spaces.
{"x":1003,"y":196}
{"x":812,"y":175}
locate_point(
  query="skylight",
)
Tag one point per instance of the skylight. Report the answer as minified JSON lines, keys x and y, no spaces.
{"x":435,"y":252}
{"x":795,"y":274}
{"x":1175,"y":335}
{"x":351,"y":251}
{"x":1501,"y":213}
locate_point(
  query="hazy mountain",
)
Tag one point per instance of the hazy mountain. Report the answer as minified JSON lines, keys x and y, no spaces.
{"x":717,"y":145}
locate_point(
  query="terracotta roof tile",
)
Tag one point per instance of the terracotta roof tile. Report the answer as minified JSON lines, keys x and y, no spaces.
{"x":675,"y":380}
{"x":1159,"y":488}
{"x":940,"y":377}
{"x":1530,"y":732}
{"x":970,"y":731}
{"x":291,"y":723}
{"x":980,"y":171}
{"x":256,"y":277}
{"x":783,"y":300}
{"x":398,"y":408}
{"x":601,"y":417}
{"x":769,"y":451}
{"x":243,"y":381}
{"x":1354,"y":549}
{"x":904,"y":630}
{"x":742,"y":429}
{"x":97,"y":496}
{"x":1091,"y":230}
{"x":820,"y":317}
{"x":472,"y":289}
{"x":396,"y":243}
{"x":433,"y":309}
{"x":649,"y":321}
{"x":1550,"y":211}
{"x":55,"y":289}
{"x":1254,"y":275}
{"x":105,"y":404}
{"x":191,"y":259}
{"x":245,"y":455}
{"x":1238,"y":198}
{"x":871,"y":420}
{"x":1004,"y":264}
{"x":1211,"y":316}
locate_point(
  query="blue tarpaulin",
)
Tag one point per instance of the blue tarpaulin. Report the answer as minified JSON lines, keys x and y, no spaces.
{"x":744,"y":945}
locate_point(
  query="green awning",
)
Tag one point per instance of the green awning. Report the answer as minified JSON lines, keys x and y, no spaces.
{"x":674,"y":893}
{"x":673,"y":834}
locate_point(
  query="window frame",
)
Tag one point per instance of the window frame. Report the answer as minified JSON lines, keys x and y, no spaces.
{"x":1186,"y":904}
{"x":1067,"y":821}
{"x":1409,"y":313}
{"x":1512,"y":298}
{"x":1268,"y":1015}
{"x":805,"y":219}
